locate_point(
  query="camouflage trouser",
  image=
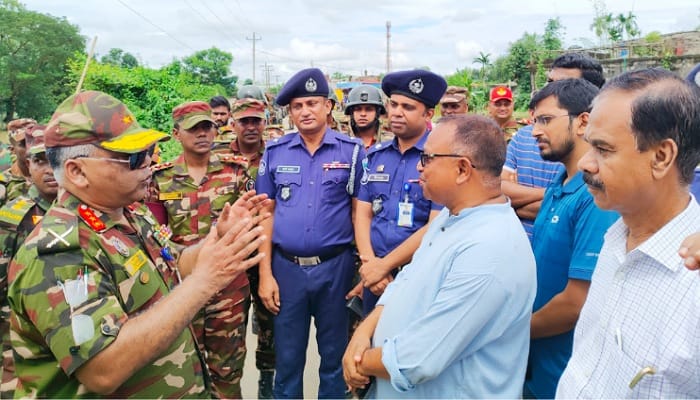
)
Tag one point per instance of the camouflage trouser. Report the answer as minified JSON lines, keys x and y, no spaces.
{"x":220,"y":329}
{"x":7,"y":365}
{"x":265,"y":352}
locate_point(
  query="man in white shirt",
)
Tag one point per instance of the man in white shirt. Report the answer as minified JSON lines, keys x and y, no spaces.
{"x":638,"y":335}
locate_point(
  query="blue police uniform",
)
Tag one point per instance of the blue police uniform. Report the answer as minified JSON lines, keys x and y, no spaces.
{"x":389,"y":179}
{"x":312,"y":256}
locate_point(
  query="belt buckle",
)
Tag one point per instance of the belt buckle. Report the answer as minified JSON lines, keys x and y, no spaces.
{"x":308,"y":261}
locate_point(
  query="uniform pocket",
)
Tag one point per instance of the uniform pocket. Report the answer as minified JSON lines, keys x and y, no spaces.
{"x":335,"y":183}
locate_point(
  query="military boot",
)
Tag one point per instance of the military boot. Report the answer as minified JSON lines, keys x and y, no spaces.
{"x":265,"y":384}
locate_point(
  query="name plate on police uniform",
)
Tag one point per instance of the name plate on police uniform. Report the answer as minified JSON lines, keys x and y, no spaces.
{"x":378,"y":178}
{"x":288,"y":169}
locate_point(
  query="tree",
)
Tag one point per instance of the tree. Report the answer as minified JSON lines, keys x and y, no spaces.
{"x":484,"y":60}
{"x":34,"y":50}
{"x":211,"y":67}
{"x":553,"y":36}
{"x":120,"y":58}
{"x":627,"y":24}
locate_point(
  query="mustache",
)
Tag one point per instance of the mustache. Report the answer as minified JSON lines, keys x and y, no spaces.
{"x":591,"y":181}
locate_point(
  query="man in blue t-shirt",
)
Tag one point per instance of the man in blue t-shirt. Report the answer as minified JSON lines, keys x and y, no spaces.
{"x":568,"y":232}
{"x":525,"y":173}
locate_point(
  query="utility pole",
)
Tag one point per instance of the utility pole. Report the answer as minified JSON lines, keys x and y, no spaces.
{"x":267,"y":68}
{"x":388,"y":46}
{"x":254,"y":39}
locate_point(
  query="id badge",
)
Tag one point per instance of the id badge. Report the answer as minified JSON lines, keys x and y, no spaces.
{"x":405,"y":214}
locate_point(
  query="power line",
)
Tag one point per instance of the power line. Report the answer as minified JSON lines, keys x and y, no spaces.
{"x":223,"y":23}
{"x":254,"y":39}
{"x":156,"y":26}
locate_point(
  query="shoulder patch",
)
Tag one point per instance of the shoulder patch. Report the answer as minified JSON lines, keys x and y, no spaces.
{"x":14,"y":211}
{"x":58,"y":233}
{"x":284,"y":139}
{"x":233,"y":159}
{"x":160,"y":167}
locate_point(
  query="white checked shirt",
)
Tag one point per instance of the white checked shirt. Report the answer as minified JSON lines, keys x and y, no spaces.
{"x":640,"y":325}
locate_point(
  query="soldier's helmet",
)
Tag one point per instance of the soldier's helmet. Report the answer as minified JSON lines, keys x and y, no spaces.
{"x":251,"y":92}
{"x":364,"y":94}
{"x":332,"y":97}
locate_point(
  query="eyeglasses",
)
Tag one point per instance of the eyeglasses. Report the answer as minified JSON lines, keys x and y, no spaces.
{"x":544,"y":120}
{"x":425,"y":158}
{"x":135,"y":160}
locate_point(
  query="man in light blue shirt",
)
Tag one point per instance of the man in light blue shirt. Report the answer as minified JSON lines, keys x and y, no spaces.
{"x":455,"y":322}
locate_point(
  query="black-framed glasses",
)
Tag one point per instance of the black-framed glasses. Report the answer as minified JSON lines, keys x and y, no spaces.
{"x":135,"y":160}
{"x":544,"y":120}
{"x":425,"y":158}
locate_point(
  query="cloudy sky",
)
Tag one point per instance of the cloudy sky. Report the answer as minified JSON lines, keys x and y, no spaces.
{"x":347,"y":36}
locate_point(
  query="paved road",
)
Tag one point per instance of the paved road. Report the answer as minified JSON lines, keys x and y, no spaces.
{"x":250,"y":373}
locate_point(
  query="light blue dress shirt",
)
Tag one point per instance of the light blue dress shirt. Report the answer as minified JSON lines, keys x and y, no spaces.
{"x":456,"y":321}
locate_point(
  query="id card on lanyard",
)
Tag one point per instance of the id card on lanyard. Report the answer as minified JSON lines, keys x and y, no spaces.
{"x":405,"y":215}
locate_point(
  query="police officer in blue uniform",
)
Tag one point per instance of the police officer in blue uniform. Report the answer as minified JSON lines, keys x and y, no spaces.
{"x":313,"y":176}
{"x":392,"y":214}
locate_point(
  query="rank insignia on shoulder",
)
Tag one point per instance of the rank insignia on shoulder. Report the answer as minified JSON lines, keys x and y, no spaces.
{"x":170,"y":196}
{"x":36,"y":219}
{"x":93,"y":221}
{"x":162,"y":166}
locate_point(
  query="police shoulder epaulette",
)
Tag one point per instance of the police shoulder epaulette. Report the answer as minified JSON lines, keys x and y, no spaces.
{"x":279,"y":141}
{"x":160,"y":167}
{"x":346,"y":138}
{"x":58,"y":232}
{"x":14,"y":211}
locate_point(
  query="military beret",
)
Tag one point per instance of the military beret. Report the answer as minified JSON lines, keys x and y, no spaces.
{"x":189,"y":114}
{"x":424,"y":86}
{"x":248,"y":108}
{"x":93,"y":117}
{"x":694,"y":75}
{"x":35,"y":139}
{"x":18,"y":127}
{"x":305,"y":83}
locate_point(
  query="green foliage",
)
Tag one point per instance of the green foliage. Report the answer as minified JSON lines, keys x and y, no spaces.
{"x":150,"y":94}
{"x":211,"y":67}
{"x":34,"y":49}
{"x":120,"y":58}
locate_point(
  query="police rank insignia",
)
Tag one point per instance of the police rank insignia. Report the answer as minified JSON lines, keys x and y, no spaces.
{"x":285,"y":193}
{"x":119,"y":246}
{"x":311,"y":85}
{"x":416,"y":86}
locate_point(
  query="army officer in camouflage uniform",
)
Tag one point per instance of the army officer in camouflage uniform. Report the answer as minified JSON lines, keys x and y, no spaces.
{"x":193,"y":190}
{"x":17,"y":219}
{"x":99,"y":305}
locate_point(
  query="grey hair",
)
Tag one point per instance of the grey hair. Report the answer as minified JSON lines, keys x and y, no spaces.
{"x":58,"y":156}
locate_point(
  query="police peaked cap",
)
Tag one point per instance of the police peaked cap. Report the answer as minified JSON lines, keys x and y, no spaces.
{"x":417,"y":84}
{"x":305,"y":83}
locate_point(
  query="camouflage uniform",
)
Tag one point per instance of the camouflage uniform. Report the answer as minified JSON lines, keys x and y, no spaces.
{"x":80,"y":276}
{"x":192,"y":211}
{"x":125,"y":274}
{"x":17,"y":219}
{"x":265,"y":352}
{"x":510,"y":128}
{"x":224,"y":137}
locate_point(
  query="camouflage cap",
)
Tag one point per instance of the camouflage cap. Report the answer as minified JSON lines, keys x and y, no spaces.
{"x":189,"y":114}
{"x":93,"y":117}
{"x":454,"y":94}
{"x":18,"y":127}
{"x":248,"y":108}
{"x":35,"y":139}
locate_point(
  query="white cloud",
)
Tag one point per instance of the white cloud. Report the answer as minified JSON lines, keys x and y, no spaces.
{"x":467,"y":50}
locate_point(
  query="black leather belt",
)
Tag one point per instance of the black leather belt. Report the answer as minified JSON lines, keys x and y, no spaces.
{"x":314,"y":260}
